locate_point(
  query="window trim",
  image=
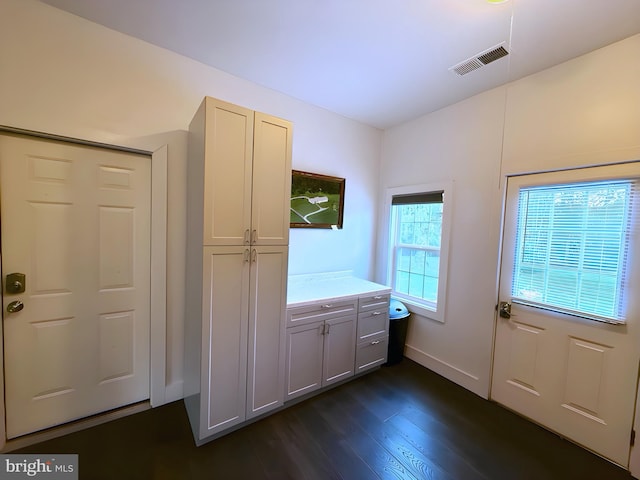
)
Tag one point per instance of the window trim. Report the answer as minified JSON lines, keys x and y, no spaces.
{"x":424,"y":309}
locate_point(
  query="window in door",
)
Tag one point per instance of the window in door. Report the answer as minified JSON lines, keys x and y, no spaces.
{"x":572,"y":247}
{"x":418,"y":239}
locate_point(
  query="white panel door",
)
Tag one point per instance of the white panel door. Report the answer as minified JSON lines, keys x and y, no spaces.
{"x":76,"y":222}
{"x":572,"y":375}
{"x":267,"y":307}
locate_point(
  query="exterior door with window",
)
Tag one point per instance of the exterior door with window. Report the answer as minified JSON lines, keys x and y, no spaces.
{"x":567,"y":338}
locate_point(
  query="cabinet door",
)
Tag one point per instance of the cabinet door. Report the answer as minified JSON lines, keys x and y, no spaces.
{"x":228,"y":152}
{"x":339,"y":349}
{"x":224,"y":338}
{"x":267,"y":307}
{"x":270,"y":215}
{"x":304,"y":359}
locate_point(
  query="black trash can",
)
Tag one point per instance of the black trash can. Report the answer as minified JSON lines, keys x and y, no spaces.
{"x":398,"y":322}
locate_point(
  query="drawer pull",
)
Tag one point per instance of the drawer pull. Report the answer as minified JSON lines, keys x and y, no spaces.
{"x":378,"y":297}
{"x":376,"y":313}
{"x":327,"y":305}
{"x":375,"y":342}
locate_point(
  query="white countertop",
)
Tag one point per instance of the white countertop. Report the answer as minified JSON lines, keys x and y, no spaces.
{"x":311,"y":288}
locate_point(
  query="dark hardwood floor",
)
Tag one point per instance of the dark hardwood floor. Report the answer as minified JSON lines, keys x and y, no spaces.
{"x":400,"y":422}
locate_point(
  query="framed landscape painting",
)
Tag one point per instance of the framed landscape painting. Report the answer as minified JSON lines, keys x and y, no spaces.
{"x":317,"y":201}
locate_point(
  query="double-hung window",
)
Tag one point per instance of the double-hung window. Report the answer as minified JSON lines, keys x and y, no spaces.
{"x":418,"y":239}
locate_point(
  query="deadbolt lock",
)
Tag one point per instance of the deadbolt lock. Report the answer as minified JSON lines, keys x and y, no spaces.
{"x":15,"y":283}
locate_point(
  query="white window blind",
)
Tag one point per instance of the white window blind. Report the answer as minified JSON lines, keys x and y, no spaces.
{"x":571,"y":250}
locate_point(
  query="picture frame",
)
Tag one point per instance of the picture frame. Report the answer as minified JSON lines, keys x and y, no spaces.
{"x":317,"y":201}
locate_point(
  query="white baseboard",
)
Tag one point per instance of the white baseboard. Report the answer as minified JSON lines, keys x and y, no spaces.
{"x":457,"y":375}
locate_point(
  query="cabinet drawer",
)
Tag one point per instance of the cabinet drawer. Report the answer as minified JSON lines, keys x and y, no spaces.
{"x":374,"y":302}
{"x":371,"y":354}
{"x":373,"y":323}
{"x":320,"y":311}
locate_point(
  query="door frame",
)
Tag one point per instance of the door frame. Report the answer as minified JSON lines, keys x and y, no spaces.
{"x":158,"y":271}
{"x":634,"y":455}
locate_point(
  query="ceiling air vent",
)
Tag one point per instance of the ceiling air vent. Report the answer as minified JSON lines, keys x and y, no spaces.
{"x":467,"y":66}
{"x":481,"y":59}
{"x":493,"y":55}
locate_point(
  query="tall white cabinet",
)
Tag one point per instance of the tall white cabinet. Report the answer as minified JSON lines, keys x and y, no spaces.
{"x":239,"y":184}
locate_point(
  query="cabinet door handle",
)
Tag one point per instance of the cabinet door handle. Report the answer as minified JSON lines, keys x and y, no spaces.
{"x":246,"y":255}
{"x":254,"y":255}
{"x":254,"y":236}
{"x":375,"y":342}
{"x":246,"y":237}
{"x":327,"y":330}
{"x":322,"y":329}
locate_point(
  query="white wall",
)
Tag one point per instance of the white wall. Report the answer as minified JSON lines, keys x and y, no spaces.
{"x":583,"y":112}
{"x":459,"y":143}
{"x":337,"y":148}
{"x":63,"y":75}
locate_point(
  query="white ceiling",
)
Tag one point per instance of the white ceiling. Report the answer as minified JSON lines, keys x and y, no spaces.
{"x":381,"y":62}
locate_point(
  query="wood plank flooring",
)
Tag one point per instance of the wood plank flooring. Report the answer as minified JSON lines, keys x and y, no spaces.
{"x":399,"y":422}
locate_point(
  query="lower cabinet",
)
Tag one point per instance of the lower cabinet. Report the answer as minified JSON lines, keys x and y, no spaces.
{"x":328,"y":342}
{"x":319,"y":353}
{"x":238,"y":343}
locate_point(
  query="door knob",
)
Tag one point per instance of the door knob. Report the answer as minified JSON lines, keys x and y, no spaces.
{"x":504,"y":309}
{"x":15,"y":306}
